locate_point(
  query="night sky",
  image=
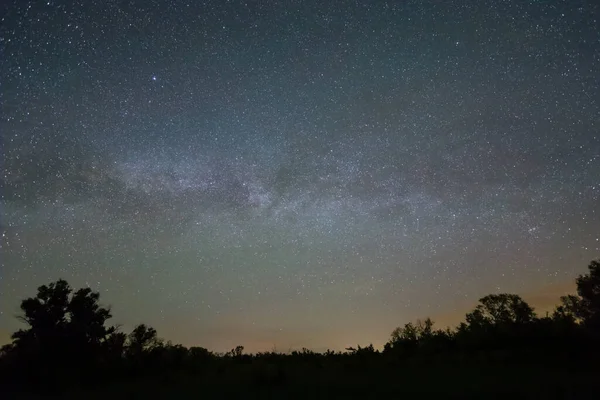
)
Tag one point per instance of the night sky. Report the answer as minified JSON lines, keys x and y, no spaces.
{"x":297,"y":173}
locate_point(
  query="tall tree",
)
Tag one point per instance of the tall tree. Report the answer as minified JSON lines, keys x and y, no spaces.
{"x":500,"y":309}
{"x":60,"y":322}
{"x":585,"y":307}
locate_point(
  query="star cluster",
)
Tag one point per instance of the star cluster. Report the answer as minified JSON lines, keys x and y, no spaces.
{"x":300,"y":173}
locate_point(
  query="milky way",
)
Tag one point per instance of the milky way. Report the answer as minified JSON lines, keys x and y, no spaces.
{"x":301,"y":173}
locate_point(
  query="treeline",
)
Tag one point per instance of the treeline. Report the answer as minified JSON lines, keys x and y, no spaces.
{"x":68,"y":345}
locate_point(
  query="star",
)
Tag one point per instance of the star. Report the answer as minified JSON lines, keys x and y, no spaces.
{"x":300,"y":174}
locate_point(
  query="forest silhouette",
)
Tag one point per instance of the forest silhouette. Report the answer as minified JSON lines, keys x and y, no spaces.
{"x":69,"y":350}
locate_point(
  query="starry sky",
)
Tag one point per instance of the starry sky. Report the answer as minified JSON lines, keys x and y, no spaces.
{"x":287,"y":174}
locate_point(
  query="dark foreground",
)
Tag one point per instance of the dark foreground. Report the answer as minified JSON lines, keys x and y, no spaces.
{"x":502,"y":350}
{"x":342,"y":376}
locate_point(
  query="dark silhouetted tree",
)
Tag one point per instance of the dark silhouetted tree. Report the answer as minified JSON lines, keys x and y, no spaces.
{"x":499,"y":321}
{"x":115,"y":345}
{"x":66,"y":332}
{"x":419,"y":336}
{"x":200,"y":353}
{"x":87,"y":319}
{"x":500,"y":309}
{"x":568,"y":310}
{"x":141,"y":340}
{"x":46,"y":316}
{"x":585,"y":307}
{"x":413,"y":332}
{"x":238,"y":352}
{"x":62,"y":321}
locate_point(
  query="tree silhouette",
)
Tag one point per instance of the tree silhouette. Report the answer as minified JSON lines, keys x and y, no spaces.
{"x":568,"y":310}
{"x":585,"y":306}
{"x":414,"y":332}
{"x":115,"y":346}
{"x":500,"y":309}
{"x":46,"y":315}
{"x":65,"y":331}
{"x":238,"y":351}
{"x":87,"y":319}
{"x":61,"y":320}
{"x":420,"y":336}
{"x":142,"y":338}
{"x":141,"y":342}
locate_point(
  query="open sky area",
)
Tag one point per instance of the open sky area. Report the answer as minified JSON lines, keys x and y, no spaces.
{"x":288,"y":174}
